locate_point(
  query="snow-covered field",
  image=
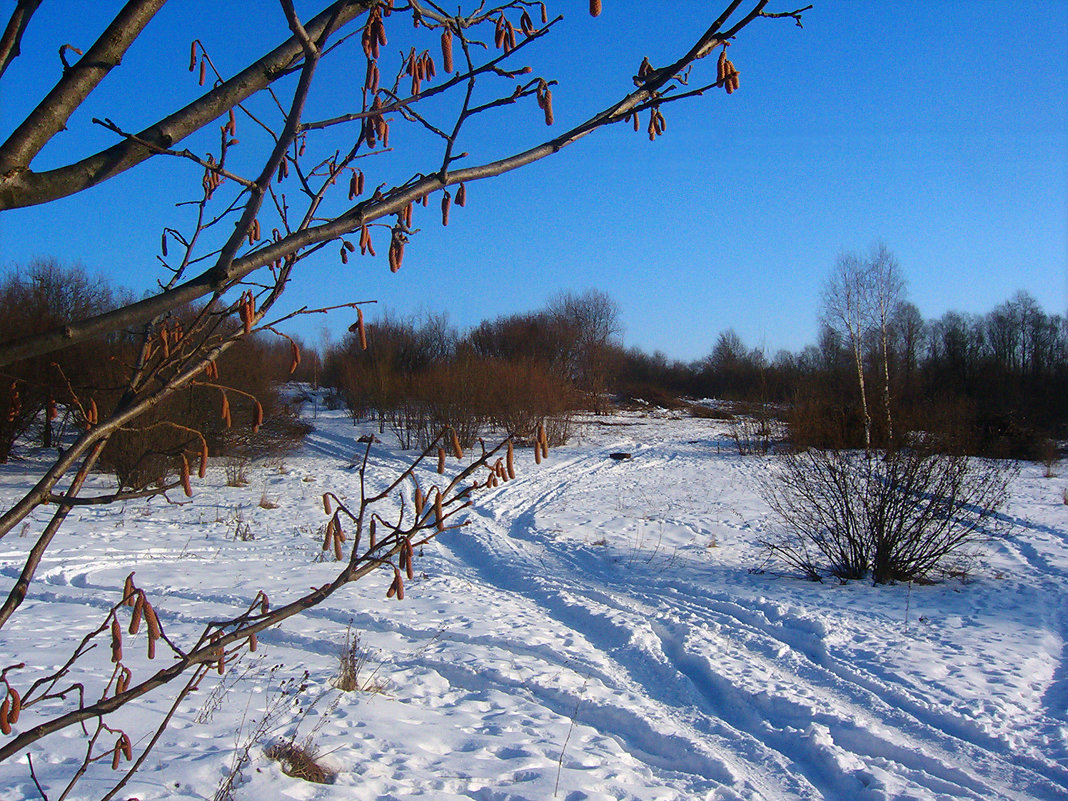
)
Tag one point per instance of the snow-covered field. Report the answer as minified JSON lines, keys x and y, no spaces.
{"x":598,"y":631}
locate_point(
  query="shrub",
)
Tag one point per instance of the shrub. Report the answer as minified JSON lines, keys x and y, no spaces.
{"x":897,"y":516}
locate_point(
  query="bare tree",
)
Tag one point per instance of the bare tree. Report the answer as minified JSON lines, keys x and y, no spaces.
{"x":288,"y":187}
{"x":859,"y":300}
{"x":886,"y":289}
{"x":844,"y":312}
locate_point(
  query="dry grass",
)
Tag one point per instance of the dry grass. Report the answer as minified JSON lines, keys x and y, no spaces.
{"x":300,"y":762}
{"x":352,"y":663}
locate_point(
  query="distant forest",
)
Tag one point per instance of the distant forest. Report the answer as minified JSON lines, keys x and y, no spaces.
{"x":995,"y":384}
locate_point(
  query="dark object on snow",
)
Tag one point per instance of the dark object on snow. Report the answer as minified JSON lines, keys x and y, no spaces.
{"x":369,"y":438}
{"x":619,"y":456}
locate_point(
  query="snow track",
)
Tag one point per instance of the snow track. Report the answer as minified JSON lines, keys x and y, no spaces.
{"x":596,"y":632}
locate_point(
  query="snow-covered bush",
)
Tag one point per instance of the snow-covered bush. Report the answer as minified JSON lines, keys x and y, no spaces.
{"x":896,"y":516}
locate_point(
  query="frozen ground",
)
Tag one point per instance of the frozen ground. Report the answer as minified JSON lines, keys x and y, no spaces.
{"x":597,"y":632}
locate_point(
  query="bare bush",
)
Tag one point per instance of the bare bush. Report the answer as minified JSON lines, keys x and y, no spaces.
{"x":899,"y":516}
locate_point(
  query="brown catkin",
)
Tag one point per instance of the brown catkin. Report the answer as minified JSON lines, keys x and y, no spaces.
{"x":457,"y":451}
{"x":128,"y":590}
{"x":446,"y":200}
{"x":548,"y":106}
{"x":295,"y":361}
{"x":418,"y":502}
{"x":439,"y":512}
{"x":510,"y":460}
{"x":16,"y":705}
{"x":202,"y":468}
{"x":203,"y":72}
{"x":127,"y":747}
{"x":461,"y":195}
{"x":154,"y":630}
{"x":187,"y":487}
{"x":337,"y":548}
{"x":721,"y":66}
{"x":328,"y":537}
{"x":116,"y":640}
{"x":257,"y":416}
{"x":409,"y":553}
{"x":252,"y":642}
{"x":361,"y":329}
{"x":5,"y":722}
{"x":326,"y":503}
{"x":595,"y":8}
{"x":115,"y":754}
{"x":446,"y":50}
{"x":441,"y":461}
{"x":225,"y":414}
{"x":193,"y":55}
{"x":138,"y":610}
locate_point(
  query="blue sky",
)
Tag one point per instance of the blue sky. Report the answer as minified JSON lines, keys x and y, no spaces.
{"x":939,"y":128}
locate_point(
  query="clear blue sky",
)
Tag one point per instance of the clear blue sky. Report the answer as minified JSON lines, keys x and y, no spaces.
{"x":940,"y":128}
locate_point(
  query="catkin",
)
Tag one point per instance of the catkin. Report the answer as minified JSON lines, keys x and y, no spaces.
{"x":295,"y":362}
{"x":360,"y":329}
{"x":510,"y":460}
{"x":439,"y":513}
{"x":337,"y":548}
{"x":441,"y":461}
{"x":127,"y":747}
{"x":257,"y":419}
{"x":135,"y":618}
{"x":457,"y":451}
{"x":115,"y":754}
{"x":595,"y":8}
{"x":116,"y":640}
{"x":203,"y":72}
{"x":202,"y":468}
{"x":16,"y":705}
{"x":446,"y":50}
{"x":187,"y":488}
{"x":419,"y":502}
{"x":129,"y":590}
{"x":548,"y":106}
{"x":5,"y":722}
{"x":252,"y":641}
{"x":446,"y":200}
{"x":721,"y":65}
{"x":409,"y":552}
{"x":461,"y":195}
{"x":326,"y":503}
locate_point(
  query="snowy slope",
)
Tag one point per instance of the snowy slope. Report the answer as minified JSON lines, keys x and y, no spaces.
{"x":596,"y":632}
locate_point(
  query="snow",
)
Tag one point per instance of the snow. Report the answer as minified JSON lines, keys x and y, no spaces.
{"x":600,"y":630}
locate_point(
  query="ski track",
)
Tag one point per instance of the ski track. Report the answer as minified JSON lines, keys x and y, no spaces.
{"x":945,"y":754}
